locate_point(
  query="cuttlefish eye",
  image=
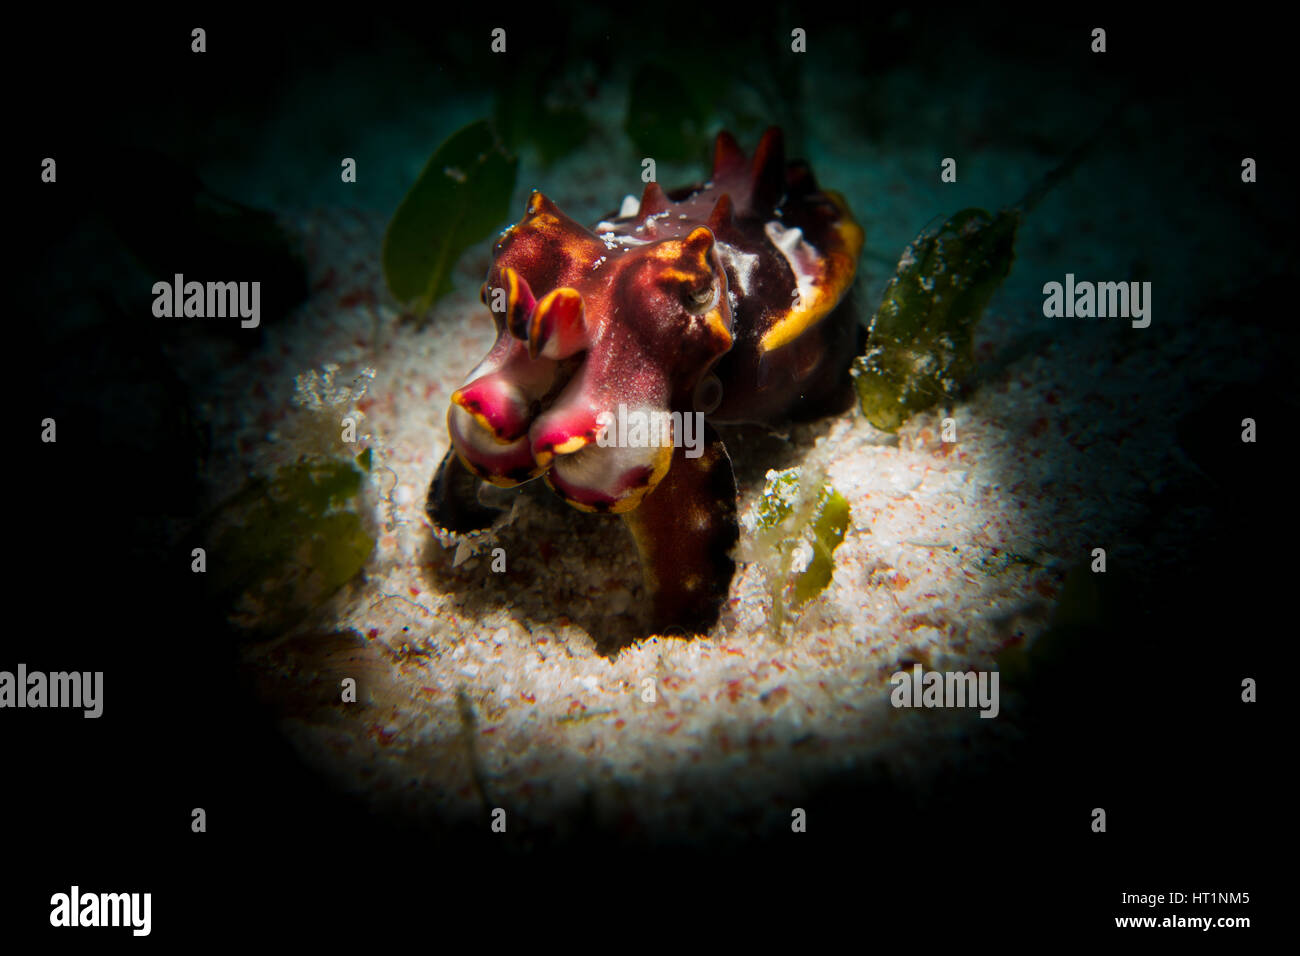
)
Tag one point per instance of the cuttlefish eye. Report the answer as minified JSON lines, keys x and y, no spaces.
{"x":700,"y":299}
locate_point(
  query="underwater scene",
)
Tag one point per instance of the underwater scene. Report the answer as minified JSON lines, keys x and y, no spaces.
{"x":542,"y":457}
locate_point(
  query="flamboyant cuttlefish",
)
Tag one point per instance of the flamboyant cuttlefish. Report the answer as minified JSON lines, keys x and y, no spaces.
{"x":729,"y":299}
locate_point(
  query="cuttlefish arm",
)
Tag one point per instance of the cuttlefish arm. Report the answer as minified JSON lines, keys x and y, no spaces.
{"x":685,"y":529}
{"x":453,"y":502}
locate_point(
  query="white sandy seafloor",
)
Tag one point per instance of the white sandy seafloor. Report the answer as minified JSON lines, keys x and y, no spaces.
{"x":483,"y":690}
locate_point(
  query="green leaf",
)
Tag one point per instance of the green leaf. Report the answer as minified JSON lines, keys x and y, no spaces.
{"x":462,"y":195}
{"x":827,"y":532}
{"x":779,"y":497}
{"x":920,"y":348}
{"x":665,"y":119}
{"x":285,"y":544}
{"x":522,"y":113}
{"x":558,"y":132}
{"x":1084,"y":626}
{"x":798,"y":510}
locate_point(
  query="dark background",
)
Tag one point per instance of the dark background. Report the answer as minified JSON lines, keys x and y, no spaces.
{"x":1191,"y":779}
